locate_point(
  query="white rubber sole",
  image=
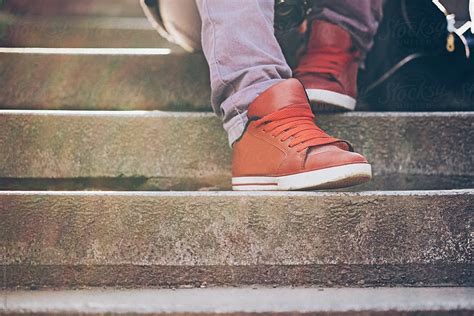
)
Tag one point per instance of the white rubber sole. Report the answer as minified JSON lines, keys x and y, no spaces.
{"x":330,"y":178}
{"x":326,"y":100}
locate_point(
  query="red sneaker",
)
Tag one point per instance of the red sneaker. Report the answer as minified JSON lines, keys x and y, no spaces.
{"x":283,"y":149}
{"x":329,"y":67}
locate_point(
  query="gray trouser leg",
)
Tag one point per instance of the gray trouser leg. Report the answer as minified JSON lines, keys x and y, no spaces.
{"x":243,"y":54}
{"x":360,"y":17}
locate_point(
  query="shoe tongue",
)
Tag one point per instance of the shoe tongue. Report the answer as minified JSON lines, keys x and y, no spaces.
{"x":279,"y":96}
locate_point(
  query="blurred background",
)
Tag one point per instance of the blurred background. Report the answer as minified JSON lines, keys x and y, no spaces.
{"x":67,"y":23}
{"x":59,"y":80}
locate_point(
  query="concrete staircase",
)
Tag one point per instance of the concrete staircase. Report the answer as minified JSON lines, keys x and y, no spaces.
{"x":114,"y":174}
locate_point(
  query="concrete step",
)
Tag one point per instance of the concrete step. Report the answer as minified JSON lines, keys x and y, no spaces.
{"x":136,"y":79}
{"x":34,"y":31}
{"x":136,"y":239}
{"x":73,"y":7}
{"x":141,"y":150}
{"x":229,"y":301}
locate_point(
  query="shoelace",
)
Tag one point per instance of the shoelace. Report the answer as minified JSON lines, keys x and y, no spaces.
{"x":329,"y":61}
{"x":296,"y":121}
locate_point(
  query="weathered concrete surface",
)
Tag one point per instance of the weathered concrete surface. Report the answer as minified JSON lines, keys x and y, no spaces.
{"x":350,"y":301}
{"x":74,"y":7}
{"x":187,"y":151}
{"x":64,"y":239}
{"x":171,"y":82}
{"x":28,"y":31}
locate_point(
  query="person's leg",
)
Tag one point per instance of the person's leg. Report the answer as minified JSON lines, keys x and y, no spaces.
{"x":276,"y":143}
{"x":360,"y":18}
{"x":244,"y":56}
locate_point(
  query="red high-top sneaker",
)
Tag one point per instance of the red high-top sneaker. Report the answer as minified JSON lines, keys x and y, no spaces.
{"x":328,"y":69}
{"x":283,"y":149}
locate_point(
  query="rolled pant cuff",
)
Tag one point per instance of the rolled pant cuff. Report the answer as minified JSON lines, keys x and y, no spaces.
{"x":236,"y":127}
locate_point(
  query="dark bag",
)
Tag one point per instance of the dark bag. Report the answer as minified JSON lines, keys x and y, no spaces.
{"x":410,"y":68}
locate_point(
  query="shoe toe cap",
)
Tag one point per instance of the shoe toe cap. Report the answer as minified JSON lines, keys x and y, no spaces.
{"x":332,"y":156}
